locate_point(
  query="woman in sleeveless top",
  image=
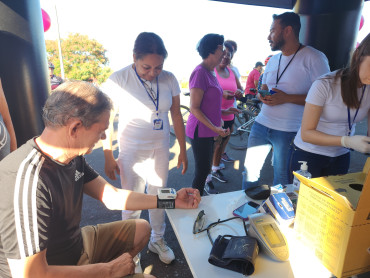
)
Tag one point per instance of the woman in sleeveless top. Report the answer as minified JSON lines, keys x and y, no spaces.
{"x":232,"y":89}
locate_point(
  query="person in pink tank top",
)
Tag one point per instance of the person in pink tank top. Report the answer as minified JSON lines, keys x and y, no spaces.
{"x":231,"y":89}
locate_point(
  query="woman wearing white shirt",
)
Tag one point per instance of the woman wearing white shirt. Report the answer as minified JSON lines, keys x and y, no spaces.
{"x":334,"y":104}
{"x":144,"y":94}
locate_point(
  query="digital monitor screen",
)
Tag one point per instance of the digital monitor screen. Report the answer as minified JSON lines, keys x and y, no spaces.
{"x":271,"y":234}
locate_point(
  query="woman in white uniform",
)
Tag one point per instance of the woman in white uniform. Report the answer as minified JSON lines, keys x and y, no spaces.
{"x":144,"y":93}
{"x":334,"y":104}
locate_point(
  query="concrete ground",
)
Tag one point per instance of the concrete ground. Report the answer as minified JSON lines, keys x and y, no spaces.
{"x":94,"y":212}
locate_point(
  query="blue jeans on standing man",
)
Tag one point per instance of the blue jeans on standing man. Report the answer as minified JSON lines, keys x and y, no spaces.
{"x":260,"y":142}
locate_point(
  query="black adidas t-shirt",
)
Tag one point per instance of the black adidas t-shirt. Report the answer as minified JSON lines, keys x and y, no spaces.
{"x":40,"y":206}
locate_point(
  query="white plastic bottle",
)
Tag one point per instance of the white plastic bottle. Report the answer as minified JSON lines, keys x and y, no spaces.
{"x":303,"y":172}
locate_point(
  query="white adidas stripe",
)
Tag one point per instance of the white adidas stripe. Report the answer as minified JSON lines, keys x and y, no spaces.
{"x":17,"y":217}
{"x":34,"y":205}
{"x":27,"y":182}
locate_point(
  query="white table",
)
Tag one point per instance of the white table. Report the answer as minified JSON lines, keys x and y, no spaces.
{"x":196,"y":248}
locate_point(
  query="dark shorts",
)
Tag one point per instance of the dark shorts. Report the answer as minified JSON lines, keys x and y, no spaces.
{"x":228,"y":124}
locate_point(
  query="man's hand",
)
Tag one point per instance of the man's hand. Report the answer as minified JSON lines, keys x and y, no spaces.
{"x":122,"y":266}
{"x":187,"y":198}
{"x":278,"y":98}
{"x":111,"y":168}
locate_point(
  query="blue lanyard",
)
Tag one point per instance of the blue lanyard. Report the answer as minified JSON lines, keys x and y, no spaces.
{"x":350,"y":125}
{"x":150,"y":96}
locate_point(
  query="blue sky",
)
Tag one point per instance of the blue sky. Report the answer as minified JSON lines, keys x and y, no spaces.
{"x":180,"y":23}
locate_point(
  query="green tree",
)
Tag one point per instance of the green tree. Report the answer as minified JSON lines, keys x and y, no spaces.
{"x":83,"y":58}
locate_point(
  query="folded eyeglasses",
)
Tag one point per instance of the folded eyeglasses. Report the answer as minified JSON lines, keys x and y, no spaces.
{"x":201,"y":218}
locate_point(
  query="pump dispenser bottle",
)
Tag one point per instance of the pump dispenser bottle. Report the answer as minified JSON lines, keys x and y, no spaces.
{"x":303,"y":172}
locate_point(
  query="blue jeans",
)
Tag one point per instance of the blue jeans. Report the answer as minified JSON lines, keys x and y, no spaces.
{"x":260,"y":142}
{"x":318,"y":165}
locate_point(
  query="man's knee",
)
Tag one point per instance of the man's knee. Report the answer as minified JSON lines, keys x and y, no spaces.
{"x":143,"y":230}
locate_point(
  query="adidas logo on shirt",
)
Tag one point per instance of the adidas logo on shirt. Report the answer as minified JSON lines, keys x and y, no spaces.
{"x":78,"y":175}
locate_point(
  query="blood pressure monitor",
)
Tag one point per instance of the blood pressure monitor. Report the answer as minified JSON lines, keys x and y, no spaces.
{"x":166,"y":198}
{"x":264,"y":228}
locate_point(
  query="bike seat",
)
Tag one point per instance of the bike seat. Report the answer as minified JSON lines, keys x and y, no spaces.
{"x":187,"y":94}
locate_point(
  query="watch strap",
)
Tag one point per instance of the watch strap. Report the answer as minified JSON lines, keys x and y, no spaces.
{"x":165,"y":204}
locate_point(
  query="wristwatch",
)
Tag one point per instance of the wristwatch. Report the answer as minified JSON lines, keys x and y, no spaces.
{"x":166,"y":198}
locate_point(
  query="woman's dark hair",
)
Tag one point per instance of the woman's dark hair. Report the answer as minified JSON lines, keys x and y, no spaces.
{"x":229,"y":47}
{"x":208,"y":44}
{"x":233,"y":43}
{"x":350,"y":76}
{"x":149,"y":43}
{"x":289,"y":19}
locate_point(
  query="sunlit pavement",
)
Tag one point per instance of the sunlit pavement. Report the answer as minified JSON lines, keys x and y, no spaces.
{"x":94,"y":212}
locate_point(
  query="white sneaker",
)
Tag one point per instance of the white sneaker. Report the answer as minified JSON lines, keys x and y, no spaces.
{"x":160,"y":247}
{"x":138,"y":268}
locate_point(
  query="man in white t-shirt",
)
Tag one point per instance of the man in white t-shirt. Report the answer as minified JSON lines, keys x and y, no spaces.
{"x":289,"y":75}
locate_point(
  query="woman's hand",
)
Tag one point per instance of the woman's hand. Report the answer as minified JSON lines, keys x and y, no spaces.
{"x":228,"y":94}
{"x":231,"y":110}
{"x":111,"y":166}
{"x":222,"y":132}
{"x":238,"y":93}
{"x":182,"y":159}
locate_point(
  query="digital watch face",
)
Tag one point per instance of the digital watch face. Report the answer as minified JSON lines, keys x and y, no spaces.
{"x":166,"y":191}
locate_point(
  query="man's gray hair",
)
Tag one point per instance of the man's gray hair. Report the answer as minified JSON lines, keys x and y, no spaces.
{"x":75,"y":100}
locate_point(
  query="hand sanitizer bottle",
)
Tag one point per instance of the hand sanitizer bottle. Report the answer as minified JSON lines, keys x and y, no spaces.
{"x":303,"y":172}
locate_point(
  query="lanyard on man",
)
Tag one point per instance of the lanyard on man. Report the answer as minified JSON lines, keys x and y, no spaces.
{"x":277,"y":73}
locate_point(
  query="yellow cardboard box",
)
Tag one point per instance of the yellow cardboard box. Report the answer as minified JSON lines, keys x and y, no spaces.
{"x":333,"y":219}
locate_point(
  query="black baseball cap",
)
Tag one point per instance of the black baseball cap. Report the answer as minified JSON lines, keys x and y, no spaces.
{"x":259,"y":64}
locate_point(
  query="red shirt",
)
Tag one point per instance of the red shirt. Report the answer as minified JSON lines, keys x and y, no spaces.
{"x":253,"y":76}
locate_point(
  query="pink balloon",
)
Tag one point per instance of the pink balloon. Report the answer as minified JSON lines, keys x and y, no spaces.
{"x":362,"y":22}
{"x":45,"y":20}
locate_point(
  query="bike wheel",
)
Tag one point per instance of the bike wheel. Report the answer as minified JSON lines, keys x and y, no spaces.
{"x":243,"y":125}
{"x":185,"y":112}
{"x":239,"y":120}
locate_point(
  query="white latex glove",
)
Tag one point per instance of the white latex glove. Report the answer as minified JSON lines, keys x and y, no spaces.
{"x":359,"y":143}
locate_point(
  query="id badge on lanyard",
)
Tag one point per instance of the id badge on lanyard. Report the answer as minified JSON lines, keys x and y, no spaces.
{"x":157,"y":123}
{"x":350,"y":125}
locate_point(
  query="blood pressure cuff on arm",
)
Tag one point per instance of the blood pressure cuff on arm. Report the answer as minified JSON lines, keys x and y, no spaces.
{"x":236,"y":253}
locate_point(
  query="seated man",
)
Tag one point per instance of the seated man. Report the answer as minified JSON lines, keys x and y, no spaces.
{"x":43,"y":184}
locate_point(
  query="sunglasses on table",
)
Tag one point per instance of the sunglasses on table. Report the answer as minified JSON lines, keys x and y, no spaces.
{"x":200,"y":220}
